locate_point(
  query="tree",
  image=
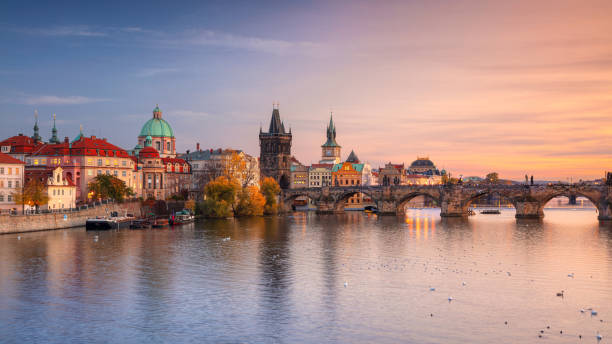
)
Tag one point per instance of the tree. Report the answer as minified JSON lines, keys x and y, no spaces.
{"x":270,"y":189}
{"x":33,"y":194}
{"x":107,"y":186}
{"x":220,"y":197}
{"x":493,"y":177}
{"x":250,"y":202}
{"x":239,"y":168}
{"x":191,"y":205}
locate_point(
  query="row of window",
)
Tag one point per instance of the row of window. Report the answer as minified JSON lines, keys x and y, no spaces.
{"x":9,"y":184}
{"x":90,"y":162}
{"x":9,"y":198}
{"x":346,"y":182}
{"x":62,"y":192}
{"x":9,"y":170}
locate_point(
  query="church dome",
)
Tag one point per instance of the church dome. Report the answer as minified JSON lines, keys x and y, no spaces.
{"x":422,"y":162}
{"x":156,"y":126}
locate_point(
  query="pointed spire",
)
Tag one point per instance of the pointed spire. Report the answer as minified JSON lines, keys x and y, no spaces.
{"x":276,"y":125}
{"x":36,"y":136}
{"x":331,"y":133}
{"x":54,"y":138}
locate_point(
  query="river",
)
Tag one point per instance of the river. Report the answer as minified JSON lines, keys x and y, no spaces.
{"x":352,"y":278}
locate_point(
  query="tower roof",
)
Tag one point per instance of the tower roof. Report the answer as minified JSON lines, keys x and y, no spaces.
{"x":276,"y":125}
{"x":353,"y":158}
{"x":331,"y":134}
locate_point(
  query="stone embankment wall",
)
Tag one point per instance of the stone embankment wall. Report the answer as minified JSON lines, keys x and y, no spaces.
{"x":42,"y":222}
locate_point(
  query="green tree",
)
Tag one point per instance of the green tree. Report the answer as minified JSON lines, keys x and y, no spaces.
{"x":493,"y":178}
{"x":33,"y":194}
{"x":270,"y":190}
{"x":250,"y":202}
{"x":107,"y":186}
{"x":220,"y":197}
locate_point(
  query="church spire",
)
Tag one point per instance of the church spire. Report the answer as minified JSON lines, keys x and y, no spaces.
{"x":331,"y":133}
{"x":276,"y":125}
{"x":54,"y":138}
{"x":36,"y":136}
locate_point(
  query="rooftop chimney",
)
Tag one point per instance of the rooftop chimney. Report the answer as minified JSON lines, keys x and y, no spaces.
{"x":198,"y":146}
{"x":66,"y":139}
{"x":93,"y":137}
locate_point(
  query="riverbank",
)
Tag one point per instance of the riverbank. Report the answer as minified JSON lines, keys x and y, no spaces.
{"x":50,"y":221}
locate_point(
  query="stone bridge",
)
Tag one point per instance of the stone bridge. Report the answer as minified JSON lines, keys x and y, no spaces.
{"x":453,"y":200}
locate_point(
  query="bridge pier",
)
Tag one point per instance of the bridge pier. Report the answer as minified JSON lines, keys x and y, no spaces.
{"x":529,"y":210}
{"x":453,"y":208}
{"x":388,"y":207}
{"x":604,"y":212}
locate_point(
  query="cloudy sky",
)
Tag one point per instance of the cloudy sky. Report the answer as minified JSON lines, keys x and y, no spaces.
{"x":511,"y":86}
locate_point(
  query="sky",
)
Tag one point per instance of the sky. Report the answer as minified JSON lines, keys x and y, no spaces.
{"x":516,"y":87}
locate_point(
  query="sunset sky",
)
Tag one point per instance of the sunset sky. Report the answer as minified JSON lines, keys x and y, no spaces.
{"x":517,"y":87}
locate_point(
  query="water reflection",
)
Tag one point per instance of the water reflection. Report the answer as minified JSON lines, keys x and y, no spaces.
{"x":281,"y":279}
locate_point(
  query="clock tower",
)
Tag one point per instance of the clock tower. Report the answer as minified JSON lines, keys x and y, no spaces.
{"x":330,"y":150}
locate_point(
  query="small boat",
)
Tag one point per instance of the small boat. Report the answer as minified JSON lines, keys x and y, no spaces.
{"x":114,"y":221}
{"x":490,"y":211}
{"x":370,"y":209}
{"x":181,"y":217}
{"x":160,"y":223}
{"x":141,"y":224}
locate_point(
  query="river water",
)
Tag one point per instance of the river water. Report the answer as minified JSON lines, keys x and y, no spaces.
{"x":352,"y":278}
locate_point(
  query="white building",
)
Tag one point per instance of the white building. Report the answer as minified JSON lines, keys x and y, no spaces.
{"x":61,"y":191}
{"x":319,"y":175}
{"x":11,"y":181}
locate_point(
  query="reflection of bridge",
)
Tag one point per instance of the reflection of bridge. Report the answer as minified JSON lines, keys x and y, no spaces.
{"x":454,"y":200}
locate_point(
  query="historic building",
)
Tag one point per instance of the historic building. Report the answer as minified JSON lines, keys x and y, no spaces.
{"x":11,"y":181}
{"x":423,"y":167}
{"x":60,"y":189}
{"x":209,"y":164}
{"x":82,"y":160}
{"x":330,"y":150}
{"x":299,"y":176}
{"x":275,"y":151}
{"x":392,"y":174}
{"x":319,"y":175}
{"x":162,"y":136}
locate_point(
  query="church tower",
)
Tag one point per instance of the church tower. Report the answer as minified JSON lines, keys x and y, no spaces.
{"x":330,"y":150}
{"x":275,"y":151}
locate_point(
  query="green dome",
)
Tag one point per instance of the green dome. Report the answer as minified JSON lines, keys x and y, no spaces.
{"x":156,"y":127}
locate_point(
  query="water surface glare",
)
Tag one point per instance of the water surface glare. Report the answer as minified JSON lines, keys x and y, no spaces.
{"x":352,"y":278}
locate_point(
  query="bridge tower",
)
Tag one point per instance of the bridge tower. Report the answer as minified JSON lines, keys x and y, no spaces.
{"x":275,"y":151}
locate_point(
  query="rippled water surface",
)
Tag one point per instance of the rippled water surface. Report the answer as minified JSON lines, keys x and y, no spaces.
{"x":305,"y":278}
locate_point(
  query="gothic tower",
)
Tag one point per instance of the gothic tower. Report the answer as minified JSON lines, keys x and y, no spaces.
{"x":275,"y":151}
{"x":330,"y":150}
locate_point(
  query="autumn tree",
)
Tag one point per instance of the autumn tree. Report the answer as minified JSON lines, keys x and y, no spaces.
{"x":492,"y":178}
{"x":220,"y":197}
{"x":34,"y":193}
{"x":190,"y":205}
{"x":107,"y":186}
{"x":250,"y":202}
{"x":241,"y":169}
{"x":270,"y":190}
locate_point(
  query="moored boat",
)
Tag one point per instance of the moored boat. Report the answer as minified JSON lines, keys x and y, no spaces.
{"x":181,"y":217}
{"x":114,"y":221}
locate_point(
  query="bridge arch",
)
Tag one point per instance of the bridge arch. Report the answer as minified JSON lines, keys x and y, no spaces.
{"x":339,"y":202}
{"x":502,"y":194}
{"x":400,"y":208}
{"x":287,"y":200}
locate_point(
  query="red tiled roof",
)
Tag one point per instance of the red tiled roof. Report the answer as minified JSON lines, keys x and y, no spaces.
{"x":7,"y":159}
{"x":148,"y":152}
{"x":90,"y":146}
{"x":20,"y":144}
{"x":173,"y":161}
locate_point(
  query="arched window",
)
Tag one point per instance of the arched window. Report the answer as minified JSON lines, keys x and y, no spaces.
{"x":168,"y":146}
{"x":157,"y":145}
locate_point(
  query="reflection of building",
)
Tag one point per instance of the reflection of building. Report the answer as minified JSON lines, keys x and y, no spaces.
{"x":11,"y":180}
{"x":275,"y":151}
{"x":209,"y":164}
{"x":60,"y":189}
{"x":330,"y":150}
{"x":162,"y":136}
{"x":319,"y":175}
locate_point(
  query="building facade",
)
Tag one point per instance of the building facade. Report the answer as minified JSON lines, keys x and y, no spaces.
{"x":59,"y":188}
{"x":319,"y":175}
{"x":275,"y":151}
{"x":299,"y":176}
{"x":11,"y":181}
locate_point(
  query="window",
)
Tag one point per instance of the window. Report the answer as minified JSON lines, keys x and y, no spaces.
{"x":108,"y":172}
{"x":1,"y":197}
{"x":10,"y":184}
{"x":10,"y":171}
{"x":9,"y":198}
{"x":157,"y":144}
{"x":123,"y":163}
{"x":123,"y":173}
{"x":89,"y":172}
{"x":16,"y":183}
{"x":53,"y":192}
{"x":89,"y":161}
{"x":99,"y":172}
{"x":62,"y":192}
{"x":168,"y":146}
{"x":99,"y":162}
{"x":58,"y":178}
{"x":16,"y":170}
{"x":107,"y":162}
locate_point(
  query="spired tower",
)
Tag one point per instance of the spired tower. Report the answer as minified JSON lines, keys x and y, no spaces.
{"x":275,"y":151}
{"x":330,"y":150}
